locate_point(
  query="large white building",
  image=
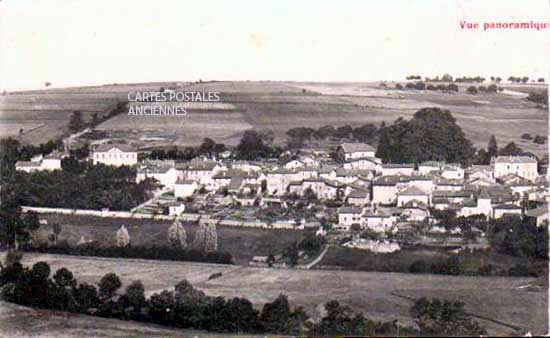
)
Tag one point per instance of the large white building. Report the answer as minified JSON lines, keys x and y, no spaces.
{"x":115,"y":155}
{"x":49,"y":162}
{"x":523,"y":166}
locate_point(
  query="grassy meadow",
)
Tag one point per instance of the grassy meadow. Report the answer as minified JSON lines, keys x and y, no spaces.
{"x":378,"y":295}
{"x":241,"y":243}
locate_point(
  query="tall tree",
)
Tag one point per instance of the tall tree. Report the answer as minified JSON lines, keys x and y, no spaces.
{"x":492,"y":147}
{"x":206,"y":238}
{"x":177,"y":235}
{"x":15,"y":227}
{"x":76,"y":123}
{"x":251,"y":146}
{"x":122,"y":237}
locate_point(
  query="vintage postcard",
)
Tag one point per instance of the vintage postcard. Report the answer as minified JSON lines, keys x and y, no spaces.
{"x":274,"y":168}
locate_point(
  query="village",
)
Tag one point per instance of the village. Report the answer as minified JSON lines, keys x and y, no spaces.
{"x":352,"y":193}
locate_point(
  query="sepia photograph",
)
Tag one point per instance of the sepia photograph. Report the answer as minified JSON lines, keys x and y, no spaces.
{"x":274,"y":168}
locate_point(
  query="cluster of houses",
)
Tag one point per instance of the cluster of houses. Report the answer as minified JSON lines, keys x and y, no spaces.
{"x":372,"y":194}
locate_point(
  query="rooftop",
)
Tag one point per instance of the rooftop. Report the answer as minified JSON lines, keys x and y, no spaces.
{"x":122,"y":147}
{"x":357,"y":147}
{"x":412,"y":191}
{"x":515,"y":159}
{"x":350,"y":210}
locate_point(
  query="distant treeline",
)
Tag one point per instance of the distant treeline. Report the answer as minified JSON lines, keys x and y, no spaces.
{"x":474,"y":79}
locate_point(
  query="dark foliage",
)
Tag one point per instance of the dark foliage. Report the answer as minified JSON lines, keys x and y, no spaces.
{"x":446,"y":318}
{"x":518,"y":237}
{"x":157,"y":253}
{"x":84,"y":186}
{"x":432,"y":134}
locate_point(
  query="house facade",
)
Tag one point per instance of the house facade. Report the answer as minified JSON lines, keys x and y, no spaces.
{"x":115,"y":154}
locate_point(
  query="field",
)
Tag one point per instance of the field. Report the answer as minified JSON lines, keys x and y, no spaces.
{"x":276,"y":106}
{"x":376,"y":294}
{"x":38,"y":117}
{"x":362,"y":260}
{"x":20,"y":321}
{"x":241,"y":243}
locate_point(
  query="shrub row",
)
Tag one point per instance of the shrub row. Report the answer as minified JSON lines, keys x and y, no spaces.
{"x":154,"y":252}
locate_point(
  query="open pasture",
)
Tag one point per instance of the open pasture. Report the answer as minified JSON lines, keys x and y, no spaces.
{"x":373,"y":293}
{"x":279,"y":106}
{"x":241,"y":243}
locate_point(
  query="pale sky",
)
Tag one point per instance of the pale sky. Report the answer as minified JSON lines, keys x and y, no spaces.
{"x":73,"y":42}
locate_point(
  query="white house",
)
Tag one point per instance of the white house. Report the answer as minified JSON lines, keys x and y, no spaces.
{"x":378,"y":220}
{"x":294,"y":164}
{"x":200,"y":171}
{"x":184,"y":188}
{"x":506,"y":209}
{"x":452,"y":172}
{"x":415,"y":211}
{"x":28,"y":166}
{"x":348,"y":216}
{"x":165,"y":174}
{"x":115,"y":155}
{"x":175,"y":209}
{"x":479,"y":171}
{"x":427,"y":167}
{"x":412,"y":194}
{"x":348,"y":151}
{"x":358,"y":198}
{"x":365,"y":163}
{"x":278,"y":180}
{"x":540,"y":214}
{"x":385,"y":188}
{"x":523,"y":166}
{"x":50,"y":162}
{"x":482,"y":206}
{"x":406,"y":169}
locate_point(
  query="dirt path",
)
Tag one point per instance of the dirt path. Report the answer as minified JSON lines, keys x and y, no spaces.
{"x":318,"y":259}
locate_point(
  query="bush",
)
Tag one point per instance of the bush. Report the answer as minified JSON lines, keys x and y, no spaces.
{"x":526,"y":136}
{"x":450,"y":266}
{"x":472,"y":90}
{"x":420,"y":85}
{"x":398,"y":86}
{"x":418,"y":266}
{"x":452,"y":87}
{"x":485,"y":270}
{"x":518,"y":270}
{"x":155,"y":252}
{"x":215,"y":275}
{"x":539,"y":139}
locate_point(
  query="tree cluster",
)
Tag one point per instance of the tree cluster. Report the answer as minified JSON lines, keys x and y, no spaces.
{"x":83,"y":186}
{"x":257,"y":145}
{"x":539,"y":97}
{"x":185,"y":307}
{"x":367,"y":133}
{"x":141,"y":252}
{"x":432,"y":134}
{"x":445,"y":318}
{"x":518,"y":79}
